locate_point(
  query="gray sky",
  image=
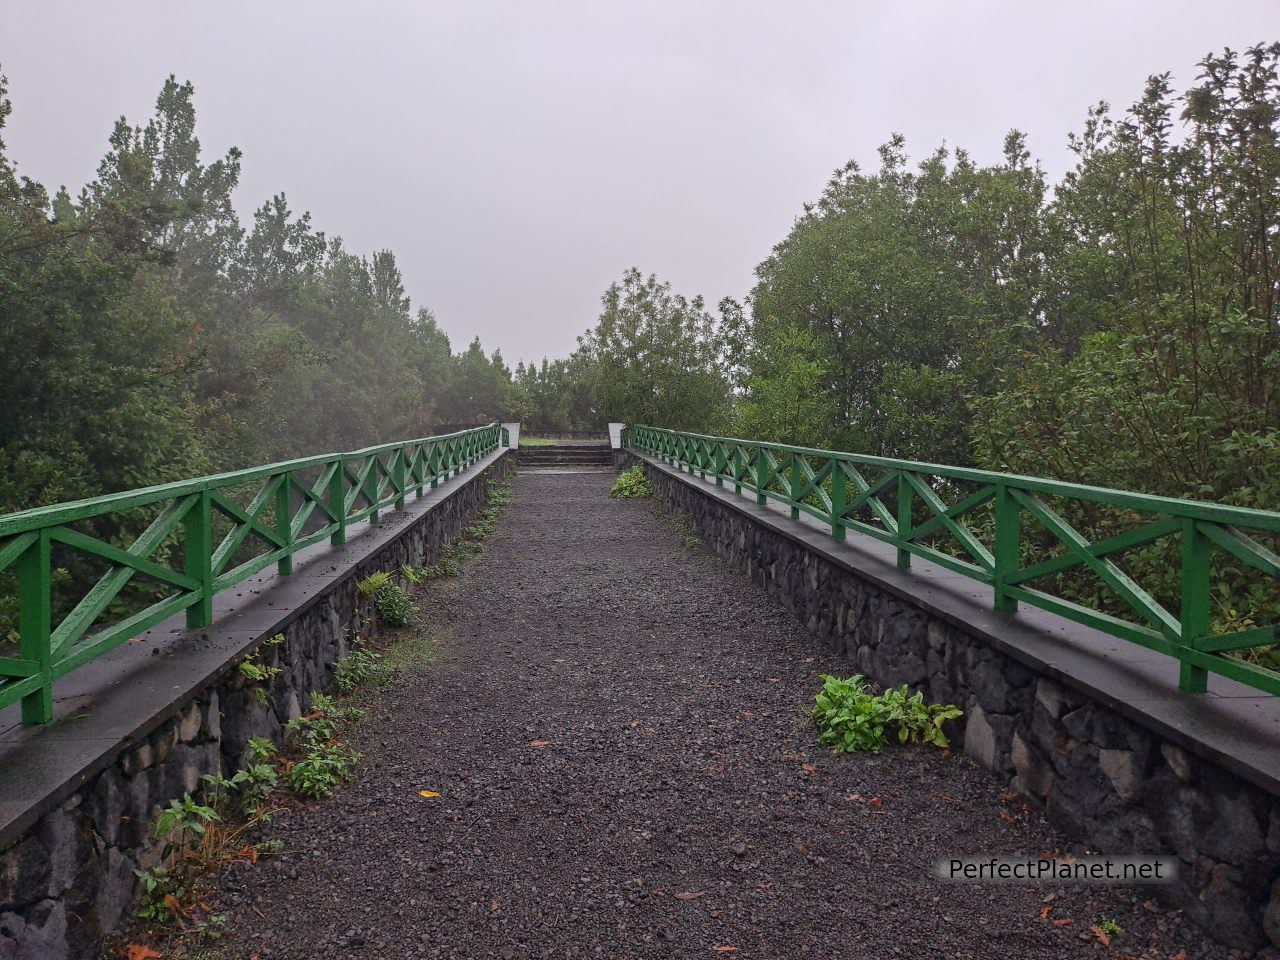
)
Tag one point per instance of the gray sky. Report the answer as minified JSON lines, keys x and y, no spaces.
{"x":518,"y":156}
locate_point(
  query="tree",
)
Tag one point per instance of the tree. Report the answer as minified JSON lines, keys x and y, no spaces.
{"x":656,"y":357}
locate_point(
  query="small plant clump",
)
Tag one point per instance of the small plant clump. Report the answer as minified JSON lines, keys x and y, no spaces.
{"x":373,"y":583}
{"x":631,"y":484}
{"x":319,"y":773}
{"x":394,"y":605}
{"x":252,"y":670}
{"x":392,"y":601}
{"x":1110,"y":928}
{"x":325,"y":763}
{"x":849,"y":717}
{"x":687,"y":532}
{"x":361,"y":666}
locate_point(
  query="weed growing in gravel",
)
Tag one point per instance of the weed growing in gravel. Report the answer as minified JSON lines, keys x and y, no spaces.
{"x":420,"y":647}
{"x":361,"y":666}
{"x":252,"y":788}
{"x":185,"y":822}
{"x":446,"y":566}
{"x":687,"y":532}
{"x":158,"y":889}
{"x":394,"y":605}
{"x":320,"y":772}
{"x":392,"y":601}
{"x":1111,"y":928}
{"x":482,"y":526}
{"x":849,"y":717}
{"x":631,"y":484}
{"x":261,"y":750}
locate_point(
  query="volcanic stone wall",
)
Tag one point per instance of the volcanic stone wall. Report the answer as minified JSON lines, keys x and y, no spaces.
{"x":1106,"y":781}
{"x":69,"y":880}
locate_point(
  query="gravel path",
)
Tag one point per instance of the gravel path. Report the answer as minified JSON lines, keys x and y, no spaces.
{"x":680,"y":803}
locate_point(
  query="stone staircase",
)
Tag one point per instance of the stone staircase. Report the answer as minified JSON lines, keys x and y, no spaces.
{"x":569,"y":454}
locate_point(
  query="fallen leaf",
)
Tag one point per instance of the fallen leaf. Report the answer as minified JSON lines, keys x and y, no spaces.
{"x":1004,"y":815}
{"x":1101,"y":936}
{"x":1182,"y":955}
{"x":493,"y":905}
{"x":742,"y":715}
{"x":726,"y":949}
{"x":876,"y":801}
{"x":808,"y":768}
{"x":689,"y":895}
{"x":313,"y":715}
{"x":539,"y":744}
{"x":1064,"y":922}
{"x":1045,"y":911}
{"x":854,"y":796}
{"x":807,"y":660}
{"x":949,"y":799}
{"x":429,"y":794}
{"x":140,"y":951}
{"x":773,"y":679}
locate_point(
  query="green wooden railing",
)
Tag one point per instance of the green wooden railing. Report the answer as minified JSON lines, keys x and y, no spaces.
{"x":1003,"y":530}
{"x":198,"y":537}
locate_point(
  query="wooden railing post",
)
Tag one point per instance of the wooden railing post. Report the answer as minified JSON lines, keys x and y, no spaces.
{"x":338,"y":502}
{"x":1194,"y":614}
{"x":197,"y":550}
{"x":35,"y":603}
{"x":794,"y":486}
{"x":371,"y":487}
{"x":284,"y":524}
{"x":838,"y":500}
{"x":398,"y":477}
{"x":904,"y":519}
{"x":1008,"y":546}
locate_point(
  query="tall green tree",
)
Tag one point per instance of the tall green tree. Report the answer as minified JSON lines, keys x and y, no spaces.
{"x":656,"y":357}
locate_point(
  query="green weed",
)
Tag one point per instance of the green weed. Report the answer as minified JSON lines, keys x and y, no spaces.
{"x":255,"y":672}
{"x":631,"y":484}
{"x":374,"y":582}
{"x":849,"y":717}
{"x":319,"y":773}
{"x":361,"y":666}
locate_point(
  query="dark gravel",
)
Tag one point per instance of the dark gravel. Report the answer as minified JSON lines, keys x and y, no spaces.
{"x":681,"y":804}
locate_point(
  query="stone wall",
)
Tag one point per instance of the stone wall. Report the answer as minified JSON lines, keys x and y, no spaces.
{"x":69,"y":881}
{"x":1104,"y":780}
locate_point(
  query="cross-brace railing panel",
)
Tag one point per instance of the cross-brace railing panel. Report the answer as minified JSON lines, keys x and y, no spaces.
{"x":206,"y":535}
{"x":1008,"y":531}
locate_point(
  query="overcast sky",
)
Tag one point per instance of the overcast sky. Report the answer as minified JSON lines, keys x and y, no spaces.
{"x":518,"y":156}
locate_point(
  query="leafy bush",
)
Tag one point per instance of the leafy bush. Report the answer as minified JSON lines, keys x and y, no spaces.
{"x":158,"y":890}
{"x":357,"y":668}
{"x":391,"y":600}
{"x":261,"y":749}
{"x":317,"y":774}
{"x":631,"y":484}
{"x":394,"y":605}
{"x":849,"y":717}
